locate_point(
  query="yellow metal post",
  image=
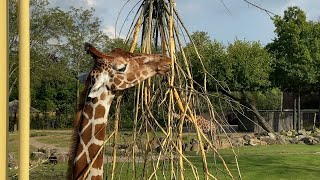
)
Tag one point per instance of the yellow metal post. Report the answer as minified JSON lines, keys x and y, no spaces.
{"x":3,"y":88}
{"x":24,"y":88}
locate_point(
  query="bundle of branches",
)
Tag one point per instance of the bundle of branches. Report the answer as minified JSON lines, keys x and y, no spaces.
{"x":176,"y":98}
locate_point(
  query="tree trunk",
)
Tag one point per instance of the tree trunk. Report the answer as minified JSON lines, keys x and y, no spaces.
{"x":319,"y":110}
{"x":299,"y":111}
{"x":264,"y":124}
{"x":245,"y":101}
{"x":294,"y":112}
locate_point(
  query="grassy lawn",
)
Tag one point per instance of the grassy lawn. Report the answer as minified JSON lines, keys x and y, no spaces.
{"x":294,"y":161}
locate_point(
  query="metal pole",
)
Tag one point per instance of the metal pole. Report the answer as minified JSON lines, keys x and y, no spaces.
{"x":4,"y":89}
{"x":24,"y":88}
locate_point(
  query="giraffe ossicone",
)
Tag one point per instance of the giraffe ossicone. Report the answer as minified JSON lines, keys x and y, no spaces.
{"x":115,"y":71}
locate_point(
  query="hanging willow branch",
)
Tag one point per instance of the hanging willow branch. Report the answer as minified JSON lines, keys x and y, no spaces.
{"x":157,"y":27}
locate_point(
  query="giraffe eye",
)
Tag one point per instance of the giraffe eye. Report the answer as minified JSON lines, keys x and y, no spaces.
{"x":121,"y":68}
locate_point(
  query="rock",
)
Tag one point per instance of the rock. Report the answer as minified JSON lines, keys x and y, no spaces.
{"x":38,"y":156}
{"x":289,"y":133}
{"x":316,"y":131}
{"x":302,"y":132}
{"x":300,"y":137}
{"x":53,"y":158}
{"x":44,"y":149}
{"x":283,"y":132}
{"x":294,"y":140}
{"x":253,"y":142}
{"x":12,"y":162}
{"x":246,"y":137}
{"x":309,"y":140}
{"x":63,"y":157}
{"x":237,"y":142}
{"x":270,"y":141}
{"x":263,"y":143}
{"x":53,"y":151}
{"x":272,"y":136}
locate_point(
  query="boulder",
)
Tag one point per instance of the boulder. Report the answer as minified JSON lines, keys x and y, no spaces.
{"x":63,"y":157}
{"x":289,"y":133}
{"x":53,"y":158}
{"x":272,"y":136}
{"x":238,"y":142}
{"x":38,"y":156}
{"x":283,"y":132}
{"x":44,"y":149}
{"x":302,"y":132}
{"x":12,"y":162}
{"x":246,"y":137}
{"x":309,"y":140}
{"x":53,"y":151}
{"x":294,"y":140}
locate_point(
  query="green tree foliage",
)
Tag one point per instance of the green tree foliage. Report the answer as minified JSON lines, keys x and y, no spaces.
{"x":296,"y":49}
{"x":213,"y":56}
{"x":56,"y":53}
{"x":248,"y":66}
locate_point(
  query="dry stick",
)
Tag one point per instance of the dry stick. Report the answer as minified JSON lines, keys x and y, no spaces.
{"x":128,"y":17}
{"x":135,"y":131}
{"x":172,"y":49}
{"x":204,"y":159}
{"x":135,"y":38}
{"x":205,"y":166}
{"x":232,"y":147}
{"x":136,"y":33}
{"x":116,"y":128}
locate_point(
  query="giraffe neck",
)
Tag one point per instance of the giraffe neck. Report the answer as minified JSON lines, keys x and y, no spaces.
{"x":91,"y":135}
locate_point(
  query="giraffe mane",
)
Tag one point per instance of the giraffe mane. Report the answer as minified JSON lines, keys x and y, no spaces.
{"x":76,"y":124}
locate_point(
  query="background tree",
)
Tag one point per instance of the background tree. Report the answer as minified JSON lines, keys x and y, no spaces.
{"x":296,"y":49}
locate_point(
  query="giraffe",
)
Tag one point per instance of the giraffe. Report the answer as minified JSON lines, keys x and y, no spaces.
{"x":206,"y":126}
{"x":112,"y":72}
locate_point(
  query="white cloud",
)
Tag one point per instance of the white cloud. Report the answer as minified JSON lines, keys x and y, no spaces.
{"x":311,"y":7}
{"x":110,"y":31}
{"x":91,"y":2}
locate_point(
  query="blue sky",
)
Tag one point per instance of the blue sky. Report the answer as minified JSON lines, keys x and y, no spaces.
{"x":243,"y":21}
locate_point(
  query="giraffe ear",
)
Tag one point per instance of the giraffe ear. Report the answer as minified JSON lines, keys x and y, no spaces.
{"x":82,"y":77}
{"x":97,"y":89}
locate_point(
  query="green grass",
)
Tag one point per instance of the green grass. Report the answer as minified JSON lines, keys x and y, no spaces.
{"x":294,"y":161}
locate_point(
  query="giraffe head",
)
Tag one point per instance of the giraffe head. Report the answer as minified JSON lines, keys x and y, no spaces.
{"x":121,"y":70}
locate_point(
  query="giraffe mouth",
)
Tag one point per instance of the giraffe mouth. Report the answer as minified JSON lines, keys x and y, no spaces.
{"x":164,"y":67}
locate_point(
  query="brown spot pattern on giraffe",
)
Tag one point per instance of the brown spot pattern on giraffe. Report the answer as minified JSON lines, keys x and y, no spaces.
{"x":99,"y":161}
{"x":86,"y":135}
{"x":83,"y":124}
{"x":100,"y":131}
{"x":93,"y":149}
{"x":117,"y":81}
{"x":89,"y":111}
{"x":100,"y":112}
{"x":95,"y":100}
{"x":130,"y":77}
{"x":81,"y":165}
{"x":96,"y":177}
{"x":103,"y":96}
